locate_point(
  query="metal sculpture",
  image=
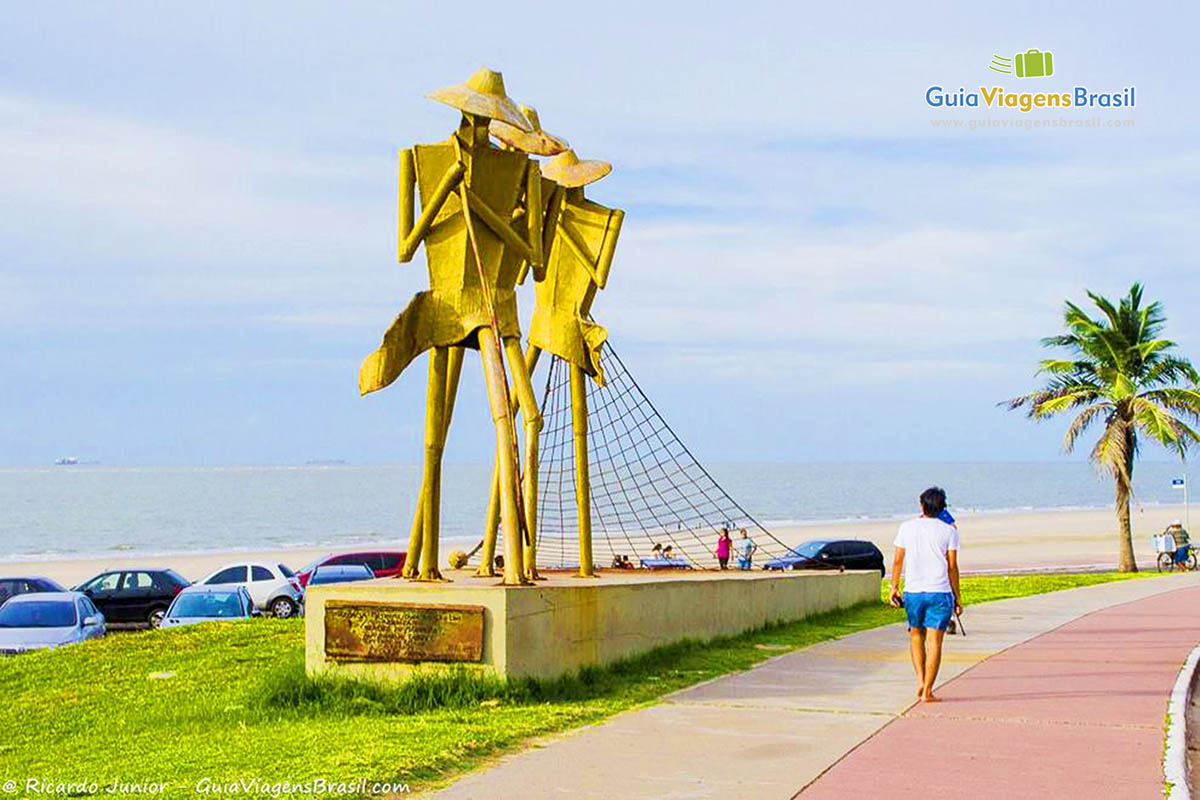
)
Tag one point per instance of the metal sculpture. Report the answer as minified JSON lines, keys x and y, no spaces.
{"x":470,"y":193}
{"x":581,"y":237}
{"x":534,"y":142}
{"x":578,"y":261}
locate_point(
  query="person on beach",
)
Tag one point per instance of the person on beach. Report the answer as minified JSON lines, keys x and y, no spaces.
{"x":724,"y":547}
{"x":746,"y":550}
{"x":927,"y":559}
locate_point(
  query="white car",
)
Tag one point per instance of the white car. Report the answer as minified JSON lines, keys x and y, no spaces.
{"x":273,"y":587}
{"x":43,"y":620}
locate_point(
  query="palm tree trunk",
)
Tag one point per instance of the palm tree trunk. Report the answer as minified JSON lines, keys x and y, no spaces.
{"x":1127,"y":563}
{"x":1124,"y":491}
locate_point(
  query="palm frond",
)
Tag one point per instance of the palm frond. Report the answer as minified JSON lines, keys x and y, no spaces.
{"x":1113,"y":449}
{"x":1160,"y":425}
{"x":1057,"y":396}
{"x":1082,"y":422}
{"x":1177,"y":400}
{"x":1170,"y":369}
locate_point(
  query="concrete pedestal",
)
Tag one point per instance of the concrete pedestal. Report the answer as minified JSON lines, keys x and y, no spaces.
{"x":385,"y":628}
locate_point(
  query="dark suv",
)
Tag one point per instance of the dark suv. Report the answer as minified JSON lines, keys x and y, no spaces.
{"x":831,"y":553}
{"x":134,"y":595}
{"x":11,"y":587}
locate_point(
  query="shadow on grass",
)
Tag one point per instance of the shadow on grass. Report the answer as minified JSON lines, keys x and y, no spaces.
{"x":646,"y":675}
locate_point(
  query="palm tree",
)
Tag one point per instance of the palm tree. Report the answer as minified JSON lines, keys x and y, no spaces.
{"x":1117,"y":371}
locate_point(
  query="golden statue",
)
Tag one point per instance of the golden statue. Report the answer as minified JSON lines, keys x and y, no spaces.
{"x":534,"y":142}
{"x":470,"y":193}
{"x":580,"y":238}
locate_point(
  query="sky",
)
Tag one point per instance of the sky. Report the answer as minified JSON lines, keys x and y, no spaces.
{"x":198,"y":204}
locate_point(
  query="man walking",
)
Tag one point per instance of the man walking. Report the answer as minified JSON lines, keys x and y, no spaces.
{"x":927,"y":558}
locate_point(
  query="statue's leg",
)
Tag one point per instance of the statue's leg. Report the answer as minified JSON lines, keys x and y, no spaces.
{"x":412,"y":561}
{"x":532,"y":416}
{"x":583,"y":487}
{"x":416,"y":533}
{"x":435,"y":441}
{"x":487,"y":567}
{"x":487,"y":563}
{"x":493,"y":370}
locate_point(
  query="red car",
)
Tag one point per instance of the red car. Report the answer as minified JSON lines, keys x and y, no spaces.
{"x":384,"y":563}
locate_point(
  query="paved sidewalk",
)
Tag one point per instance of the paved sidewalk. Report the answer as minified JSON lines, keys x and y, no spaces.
{"x":769,"y":731}
{"x":1076,"y":712}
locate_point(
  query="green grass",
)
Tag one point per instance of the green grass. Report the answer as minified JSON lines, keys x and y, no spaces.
{"x":231,"y":701}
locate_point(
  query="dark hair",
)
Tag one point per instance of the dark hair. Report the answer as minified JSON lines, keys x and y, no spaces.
{"x":933,"y":501}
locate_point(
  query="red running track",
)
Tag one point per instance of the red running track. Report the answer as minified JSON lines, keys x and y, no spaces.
{"x":1078,"y":712}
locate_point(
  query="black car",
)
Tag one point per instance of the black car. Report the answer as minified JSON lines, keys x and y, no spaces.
{"x":26,"y":584}
{"x":825,"y":553}
{"x":134,"y":596}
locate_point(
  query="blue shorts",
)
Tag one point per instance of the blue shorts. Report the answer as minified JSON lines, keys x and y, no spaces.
{"x":929,"y":609}
{"x":743,"y":563}
{"x":1181,"y":554}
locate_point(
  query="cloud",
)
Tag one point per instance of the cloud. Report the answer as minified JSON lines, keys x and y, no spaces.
{"x":139,"y":215}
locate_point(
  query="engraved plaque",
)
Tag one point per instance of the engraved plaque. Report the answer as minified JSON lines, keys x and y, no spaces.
{"x":404,"y":632}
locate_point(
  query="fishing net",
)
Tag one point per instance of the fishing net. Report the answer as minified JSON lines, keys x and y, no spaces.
{"x":646,"y":486}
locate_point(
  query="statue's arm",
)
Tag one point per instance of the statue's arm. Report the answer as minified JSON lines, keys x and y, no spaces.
{"x":412,"y":235}
{"x":609,"y":247}
{"x":549,"y":223}
{"x":534,"y":211}
{"x":599,"y":267}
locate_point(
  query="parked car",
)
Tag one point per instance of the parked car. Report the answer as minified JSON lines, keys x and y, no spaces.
{"x":42,"y":620}
{"x":827,"y":553}
{"x":207,"y":603}
{"x":134,"y":595}
{"x":273,"y":587}
{"x":340,"y":573}
{"x":382,"y":563}
{"x":13,"y":586}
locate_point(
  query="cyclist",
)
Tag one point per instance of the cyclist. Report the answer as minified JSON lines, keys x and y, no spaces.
{"x":1182,"y":543}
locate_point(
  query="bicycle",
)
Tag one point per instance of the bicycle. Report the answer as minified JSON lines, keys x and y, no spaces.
{"x":1166,"y":555}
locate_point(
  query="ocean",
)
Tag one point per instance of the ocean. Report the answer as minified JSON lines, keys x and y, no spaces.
{"x":73,"y":511}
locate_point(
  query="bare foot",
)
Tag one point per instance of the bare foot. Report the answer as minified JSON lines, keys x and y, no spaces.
{"x":929,"y":697}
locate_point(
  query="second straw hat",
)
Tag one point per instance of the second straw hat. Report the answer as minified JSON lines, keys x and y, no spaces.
{"x":536,"y":142}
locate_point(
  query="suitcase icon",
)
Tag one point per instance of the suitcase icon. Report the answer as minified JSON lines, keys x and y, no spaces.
{"x":1035,"y":64}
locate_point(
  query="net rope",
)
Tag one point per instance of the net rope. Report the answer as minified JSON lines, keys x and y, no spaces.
{"x":646,"y":486}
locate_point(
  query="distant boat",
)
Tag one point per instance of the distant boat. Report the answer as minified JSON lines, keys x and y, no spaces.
{"x":69,"y":461}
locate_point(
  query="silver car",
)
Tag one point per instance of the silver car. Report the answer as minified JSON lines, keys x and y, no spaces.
{"x":271,"y":585}
{"x":42,"y":620}
{"x":208,"y":603}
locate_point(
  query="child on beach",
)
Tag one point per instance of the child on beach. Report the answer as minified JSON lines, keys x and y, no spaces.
{"x":724,"y":546}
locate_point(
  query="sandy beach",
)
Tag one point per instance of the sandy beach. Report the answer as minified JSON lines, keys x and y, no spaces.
{"x":990,"y":541}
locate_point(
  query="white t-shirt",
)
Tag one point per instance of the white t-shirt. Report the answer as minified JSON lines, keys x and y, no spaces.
{"x":925,"y":542}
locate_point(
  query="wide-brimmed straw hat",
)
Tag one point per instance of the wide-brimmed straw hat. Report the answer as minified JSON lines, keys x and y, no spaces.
{"x":537,"y":142}
{"x":566,"y":169}
{"x":483,"y":95}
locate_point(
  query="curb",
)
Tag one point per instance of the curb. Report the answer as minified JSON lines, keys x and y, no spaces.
{"x":1175,"y":766}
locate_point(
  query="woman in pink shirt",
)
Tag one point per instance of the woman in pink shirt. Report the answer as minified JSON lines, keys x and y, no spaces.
{"x":724,"y":545}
